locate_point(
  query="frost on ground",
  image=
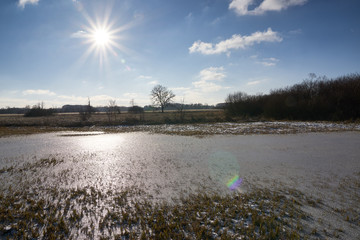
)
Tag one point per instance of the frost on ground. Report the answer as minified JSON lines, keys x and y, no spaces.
{"x":240,"y":128}
{"x":246,"y":128}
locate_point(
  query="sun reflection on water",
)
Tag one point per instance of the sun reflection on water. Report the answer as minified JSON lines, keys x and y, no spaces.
{"x":100,"y":143}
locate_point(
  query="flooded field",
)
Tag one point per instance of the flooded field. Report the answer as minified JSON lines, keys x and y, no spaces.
{"x":85,"y":173}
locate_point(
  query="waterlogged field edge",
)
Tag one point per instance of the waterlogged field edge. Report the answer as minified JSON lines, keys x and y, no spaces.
{"x":247,"y":128}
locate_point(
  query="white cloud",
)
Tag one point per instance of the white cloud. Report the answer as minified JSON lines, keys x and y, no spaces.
{"x":28,"y":97}
{"x":189,"y":18}
{"x":101,"y":98}
{"x":38,"y":92}
{"x":207,"y":86}
{"x":79,"y":34}
{"x":97,"y":100}
{"x":256,"y":84}
{"x":131,"y":95}
{"x":235,"y":42}
{"x":73,"y":99}
{"x":195,"y":95}
{"x":212,"y":73}
{"x":253,"y":82}
{"x":22,"y":3}
{"x":153,"y":83}
{"x":207,"y":76}
{"x":144,"y":77}
{"x":269,"y":62}
{"x":181,"y":89}
{"x":241,"y":7}
{"x":12,"y":102}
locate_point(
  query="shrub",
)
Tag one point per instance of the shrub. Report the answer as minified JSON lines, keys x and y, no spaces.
{"x":38,"y":111}
{"x":86,"y":112}
{"x":135,"y":110}
{"x":317,"y":98}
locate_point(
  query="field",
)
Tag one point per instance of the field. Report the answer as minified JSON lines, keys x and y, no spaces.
{"x":75,"y":120}
{"x":189,"y":123}
{"x":119,"y":181}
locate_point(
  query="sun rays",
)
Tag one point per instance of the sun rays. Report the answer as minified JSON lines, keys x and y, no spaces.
{"x":103,"y":39}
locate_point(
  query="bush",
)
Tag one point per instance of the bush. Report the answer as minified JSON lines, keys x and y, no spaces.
{"x":131,"y":121}
{"x":38,"y":111}
{"x":135,"y":110}
{"x":86,"y":112}
{"x":316,"y":98}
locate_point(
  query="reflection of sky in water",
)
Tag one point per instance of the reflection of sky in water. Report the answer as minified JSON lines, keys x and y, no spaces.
{"x":167,"y":166}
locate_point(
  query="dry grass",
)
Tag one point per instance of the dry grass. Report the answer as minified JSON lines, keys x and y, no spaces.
{"x":17,"y":124}
{"x":9,"y":131}
{"x":38,"y":212}
{"x":32,"y":208}
{"x":74,"y":120}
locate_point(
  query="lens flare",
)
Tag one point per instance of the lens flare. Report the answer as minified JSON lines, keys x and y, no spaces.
{"x":234,"y":182}
{"x":224,"y":166}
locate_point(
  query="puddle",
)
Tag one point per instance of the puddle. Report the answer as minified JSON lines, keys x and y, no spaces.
{"x":79,"y":134}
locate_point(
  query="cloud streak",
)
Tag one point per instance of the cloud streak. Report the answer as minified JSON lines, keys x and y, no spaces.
{"x":38,"y":92}
{"x":22,"y":3}
{"x":267,"y":62}
{"x":144,"y":77}
{"x":79,"y":34}
{"x":235,"y":42}
{"x":253,"y":82}
{"x":241,"y":7}
{"x":153,"y":82}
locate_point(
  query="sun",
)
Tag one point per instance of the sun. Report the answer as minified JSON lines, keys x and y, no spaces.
{"x":101,"y":37}
{"x":103,"y":40}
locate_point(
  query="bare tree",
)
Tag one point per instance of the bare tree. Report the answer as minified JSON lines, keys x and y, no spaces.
{"x":180,"y":109}
{"x":86,"y":112}
{"x":161,"y":96}
{"x":112,"y":110}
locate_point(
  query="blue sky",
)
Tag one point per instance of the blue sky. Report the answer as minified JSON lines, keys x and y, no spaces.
{"x":64,"y":51}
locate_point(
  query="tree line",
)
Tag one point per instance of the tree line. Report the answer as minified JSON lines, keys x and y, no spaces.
{"x":162,"y":98}
{"x":316,"y":98}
